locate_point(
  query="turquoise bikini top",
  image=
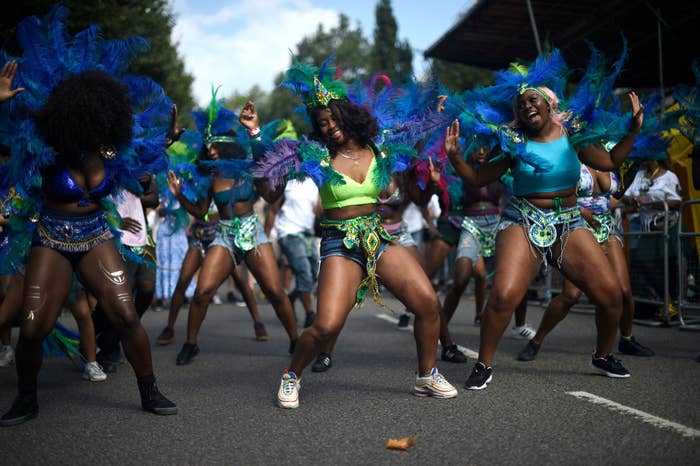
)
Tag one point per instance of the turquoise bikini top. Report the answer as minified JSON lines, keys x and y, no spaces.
{"x":243,"y":192}
{"x":564,"y":174}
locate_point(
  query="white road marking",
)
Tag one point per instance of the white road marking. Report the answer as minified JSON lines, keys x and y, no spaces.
{"x":644,"y":417}
{"x":467,"y":352}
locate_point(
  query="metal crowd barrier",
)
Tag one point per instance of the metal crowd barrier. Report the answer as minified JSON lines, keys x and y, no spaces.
{"x":688,"y":297}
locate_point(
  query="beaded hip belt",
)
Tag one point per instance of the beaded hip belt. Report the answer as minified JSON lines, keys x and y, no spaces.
{"x":541,"y":224}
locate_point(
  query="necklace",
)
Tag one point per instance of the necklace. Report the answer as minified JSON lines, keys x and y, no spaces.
{"x":349,"y":157}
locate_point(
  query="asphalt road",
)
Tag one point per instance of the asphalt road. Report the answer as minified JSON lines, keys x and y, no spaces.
{"x":554,"y":410}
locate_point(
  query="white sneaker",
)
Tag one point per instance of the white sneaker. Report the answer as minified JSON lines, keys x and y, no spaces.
{"x":434,"y":385}
{"x":93,"y":372}
{"x":7,"y":356}
{"x":288,"y":394}
{"x":524,"y":332}
{"x":217,"y":299}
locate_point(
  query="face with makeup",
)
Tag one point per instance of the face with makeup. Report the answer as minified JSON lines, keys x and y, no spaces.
{"x":329,"y":127}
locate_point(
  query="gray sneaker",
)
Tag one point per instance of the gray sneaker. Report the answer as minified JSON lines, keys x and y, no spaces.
{"x":7,"y":356}
{"x":94,"y":373}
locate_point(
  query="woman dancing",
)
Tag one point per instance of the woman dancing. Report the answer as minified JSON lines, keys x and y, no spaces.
{"x":356,"y":250}
{"x":542,"y":222}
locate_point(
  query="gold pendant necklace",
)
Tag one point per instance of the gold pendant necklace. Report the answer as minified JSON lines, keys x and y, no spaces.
{"x":355,"y":160}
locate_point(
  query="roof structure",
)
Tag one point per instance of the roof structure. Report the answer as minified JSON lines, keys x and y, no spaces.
{"x":494,"y":33}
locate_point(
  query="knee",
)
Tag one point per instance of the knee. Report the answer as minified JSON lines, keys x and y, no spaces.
{"x":570,"y":297}
{"x":323,"y":333}
{"x":503,"y":300}
{"x":203,"y":296}
{"x":611,"y":297}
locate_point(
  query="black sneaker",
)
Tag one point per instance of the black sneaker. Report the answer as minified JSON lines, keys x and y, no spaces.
{"x":323,"y":363}
{"x":610,"y":366}
{"x":633,"y":348}
{"x":23,"y":409}
{"x":187,"y":354}
{"x":479,"y":378}
{"x":153,"y":401}
{"x":309,"y":319}
{"x":404,"y":320}
{"x":452,"y":354}
{"x":529,"y":353}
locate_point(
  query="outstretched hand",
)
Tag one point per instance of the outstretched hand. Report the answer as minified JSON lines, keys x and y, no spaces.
{"x":7,"y":75}
{"x":174,"y":184}
{"x":441,"y":103}
{"x":452,"y":145}
{"x":637,"y":113}
{"x":249,"y":117}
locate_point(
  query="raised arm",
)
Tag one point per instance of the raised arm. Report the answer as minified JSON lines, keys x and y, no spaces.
{"x":480,"y":176}
{"x":198,"y":209}
{"x":600,"y":159}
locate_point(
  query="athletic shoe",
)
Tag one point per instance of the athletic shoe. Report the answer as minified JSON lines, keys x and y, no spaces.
{"x":477,"y":320}
{"x":529,"y":353}
{"x":7,"y":356}
{"x":634,"y":348}
{"x":93,"y":372}
{"x":216,"y":299}
{"x":153,"y":401}
{"x":166,"y":336}
{"x":323,"y":363}
{"x":187,"y":354}
{"x":610,"y":366}
{"x":479,"y":378}
{"x":404,"y":320}
{"x":309,"y":319}
{"x":435,"y":385}
{"x":260,"y":332}
{"x":524,"y":332}
{"x":23,"y":409}
{"x":288,"y":394}
{"x":452,"y":354}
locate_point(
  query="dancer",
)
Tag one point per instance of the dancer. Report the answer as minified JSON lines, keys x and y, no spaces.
{"x":541,"y":221}
{"x":84,"y":140}
{"x":594,"y":191}
{"x":239,"y":234}
{"x":356,"y":250}
{"x":201,"y":235}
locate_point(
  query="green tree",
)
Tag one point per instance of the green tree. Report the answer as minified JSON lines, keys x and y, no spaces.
{"x":389,"y":55}
{"x":458,"y":77}
{"x":151,"y":19}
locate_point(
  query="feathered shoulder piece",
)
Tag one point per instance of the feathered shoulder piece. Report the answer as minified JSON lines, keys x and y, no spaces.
{"x":688,"y":97}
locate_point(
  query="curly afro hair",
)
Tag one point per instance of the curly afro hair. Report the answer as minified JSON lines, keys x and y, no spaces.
{"x":84,"y":112}
{"x":355,"y":121}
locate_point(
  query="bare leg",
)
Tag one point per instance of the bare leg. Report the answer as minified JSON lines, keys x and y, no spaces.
{"x":217,"y":265}
{"x":263,"y":266}
{"x":80,"y":309}
{"x":192,"y":261}
{"x":463,"y":272}
{"x":241,"y":283}
{"x":557,"y":310}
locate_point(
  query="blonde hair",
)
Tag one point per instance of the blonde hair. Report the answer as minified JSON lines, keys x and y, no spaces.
{"x":552,"y":103}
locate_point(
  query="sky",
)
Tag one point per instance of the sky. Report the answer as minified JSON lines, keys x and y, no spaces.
{"x":240,"y":43}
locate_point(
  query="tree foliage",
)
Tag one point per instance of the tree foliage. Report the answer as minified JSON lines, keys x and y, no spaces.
{"x":389,"y":55}
{"x":151,"y":19}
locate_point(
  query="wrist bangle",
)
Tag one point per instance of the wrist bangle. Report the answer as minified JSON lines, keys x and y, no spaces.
{"x":254,"y":133}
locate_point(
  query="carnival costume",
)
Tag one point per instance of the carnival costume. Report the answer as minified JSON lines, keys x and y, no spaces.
{"x":38,"y":173}
{"x":361,"y":239}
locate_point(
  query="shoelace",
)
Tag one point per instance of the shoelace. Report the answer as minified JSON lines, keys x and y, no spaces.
{"x":439,"y":379}
{"x":288,"y":386}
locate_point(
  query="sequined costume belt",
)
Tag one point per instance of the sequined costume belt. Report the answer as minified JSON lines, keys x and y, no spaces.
{"x":241,"y":229}
{"x":605,"y":226}
{"x":69,"y":232}
{"x":366,"y":232}
{"x":541,"y":224}
{"x":486,"y":238}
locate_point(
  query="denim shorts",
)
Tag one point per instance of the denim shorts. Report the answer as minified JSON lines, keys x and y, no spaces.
{"x":332,"y":245}
{"x":513,"y":216}
{"x":469,"y":246}
{"x":240,"y":240}
{"x":404,"y":238}
{"x":302,"y":256}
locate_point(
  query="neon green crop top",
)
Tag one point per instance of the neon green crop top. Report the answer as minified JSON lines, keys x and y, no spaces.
{"x":335,"y":195}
